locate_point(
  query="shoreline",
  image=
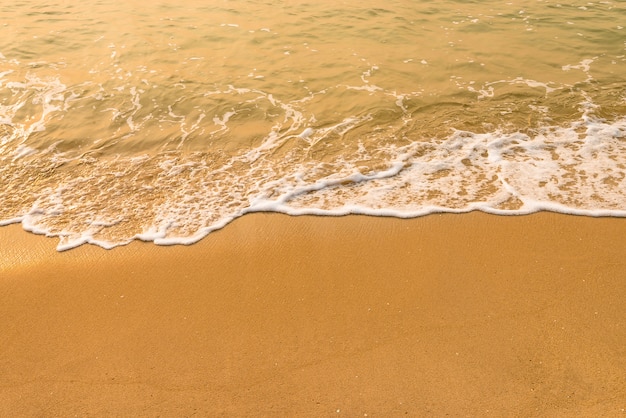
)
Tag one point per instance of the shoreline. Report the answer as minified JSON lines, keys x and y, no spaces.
{"x":312,"y":316}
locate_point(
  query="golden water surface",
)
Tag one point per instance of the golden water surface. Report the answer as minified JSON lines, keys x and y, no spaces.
{"x":165,"y":120}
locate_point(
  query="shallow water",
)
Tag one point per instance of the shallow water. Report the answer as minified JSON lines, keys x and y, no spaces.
{"x":163,"y":122}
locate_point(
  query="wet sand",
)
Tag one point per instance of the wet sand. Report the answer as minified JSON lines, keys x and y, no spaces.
{"x":472,"y":314}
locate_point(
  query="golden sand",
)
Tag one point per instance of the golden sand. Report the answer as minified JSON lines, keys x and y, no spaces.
{"x":472,"y":314}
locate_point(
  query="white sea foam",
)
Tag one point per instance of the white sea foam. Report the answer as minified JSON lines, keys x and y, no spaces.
{"x":569,"y":169}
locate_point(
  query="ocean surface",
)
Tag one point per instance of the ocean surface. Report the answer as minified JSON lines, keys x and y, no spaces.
{"x":166,"y":120}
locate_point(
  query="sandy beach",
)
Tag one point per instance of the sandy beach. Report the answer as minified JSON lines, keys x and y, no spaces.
{"x":466,"y":315}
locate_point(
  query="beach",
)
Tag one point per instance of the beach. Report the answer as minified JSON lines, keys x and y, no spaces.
{"x":461,"y":314}
{"x":317,"y":209}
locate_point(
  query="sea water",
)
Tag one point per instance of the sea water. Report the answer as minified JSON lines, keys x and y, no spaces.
{"x":165,"y":120}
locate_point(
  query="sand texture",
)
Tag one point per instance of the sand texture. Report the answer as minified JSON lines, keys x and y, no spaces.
{"x":467,"y":315}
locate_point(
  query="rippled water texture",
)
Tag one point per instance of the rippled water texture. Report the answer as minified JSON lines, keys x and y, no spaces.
{"x":165,"y":120}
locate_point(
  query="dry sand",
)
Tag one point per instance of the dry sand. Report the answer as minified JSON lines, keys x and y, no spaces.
{"x":473,"y":314}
